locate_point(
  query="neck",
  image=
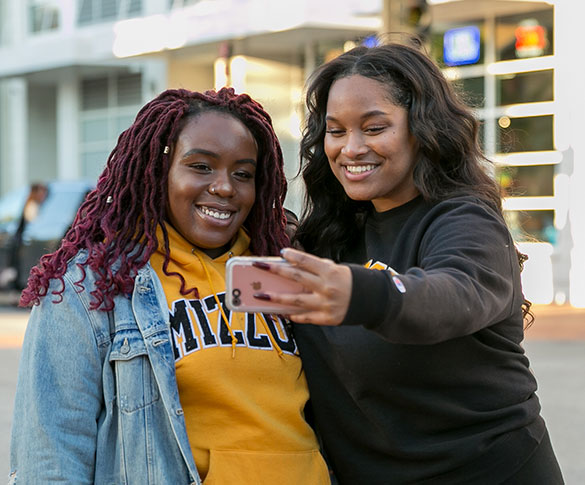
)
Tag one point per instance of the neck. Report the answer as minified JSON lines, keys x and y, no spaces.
{"x":215,"y":252}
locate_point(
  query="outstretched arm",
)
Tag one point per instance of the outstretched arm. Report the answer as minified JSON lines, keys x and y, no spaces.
{"x":466,"y":278}
{"x":328,"y":288}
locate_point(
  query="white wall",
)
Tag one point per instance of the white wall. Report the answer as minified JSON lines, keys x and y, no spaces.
{"x":42,"y":139}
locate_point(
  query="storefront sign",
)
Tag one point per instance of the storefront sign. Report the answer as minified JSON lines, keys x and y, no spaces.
{"x":530,"y":39}
{"x":461,"y":46}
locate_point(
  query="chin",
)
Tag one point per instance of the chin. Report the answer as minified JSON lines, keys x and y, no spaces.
{"x":360,"y":197}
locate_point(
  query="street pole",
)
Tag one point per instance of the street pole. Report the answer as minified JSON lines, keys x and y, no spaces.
{"x":393,"y":17}
{"x":405,"y":18}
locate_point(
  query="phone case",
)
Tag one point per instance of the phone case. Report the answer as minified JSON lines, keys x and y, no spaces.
{"x":243,"y":280}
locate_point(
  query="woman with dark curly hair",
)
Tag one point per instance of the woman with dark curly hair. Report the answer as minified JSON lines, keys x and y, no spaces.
{"x":133,"y":370}
{"x":413,"y":353}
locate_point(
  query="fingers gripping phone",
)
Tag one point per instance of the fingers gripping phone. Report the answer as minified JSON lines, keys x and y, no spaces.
{"x":243,"y":280}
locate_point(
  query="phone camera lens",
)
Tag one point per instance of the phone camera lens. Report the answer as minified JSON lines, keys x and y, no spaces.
{"x":236,"y":297}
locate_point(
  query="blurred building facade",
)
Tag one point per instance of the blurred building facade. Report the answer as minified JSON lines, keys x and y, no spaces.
{"x":73,"y":74}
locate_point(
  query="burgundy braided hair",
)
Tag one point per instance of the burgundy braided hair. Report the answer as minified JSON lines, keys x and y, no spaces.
{"x":117,"y":222}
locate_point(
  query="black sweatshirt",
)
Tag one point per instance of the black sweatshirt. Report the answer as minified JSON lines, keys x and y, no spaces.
{"x":426,"y":381}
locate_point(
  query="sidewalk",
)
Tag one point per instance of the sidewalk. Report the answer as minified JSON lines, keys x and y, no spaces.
{"x":551,"y":322}
{"x":556,"y":322}
{"x":12,"y":326}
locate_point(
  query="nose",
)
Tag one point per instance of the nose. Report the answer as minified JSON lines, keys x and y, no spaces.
{"x":354,"y":145}
{"x":221,"y":185}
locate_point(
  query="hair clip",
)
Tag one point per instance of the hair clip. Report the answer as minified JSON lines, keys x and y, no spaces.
{"x":167,"y":149}
{"x":109,"y":200}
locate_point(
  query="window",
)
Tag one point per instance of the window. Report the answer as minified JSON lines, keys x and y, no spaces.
{"x":43,"y":15}
{"x":108,"y":106}
{"x":531,"y":133}
{"x":526,"y":180}
{"x":531,"y":225}
{"x":94,"y":94}
{"x":525,"y":87}
{"x":525,"y":35}
{"x":182,"y":3}
{"x":471,"y":90}
{"x":95,"y":11}
{"x":128,"y":91}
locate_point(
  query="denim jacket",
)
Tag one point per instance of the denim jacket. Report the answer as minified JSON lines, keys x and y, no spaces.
{"x":97,"y":399}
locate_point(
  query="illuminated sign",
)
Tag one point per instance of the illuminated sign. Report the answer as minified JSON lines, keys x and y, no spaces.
{"x":461,"y":46}
{"x":371,"y":41}
{"x":530,"y":39}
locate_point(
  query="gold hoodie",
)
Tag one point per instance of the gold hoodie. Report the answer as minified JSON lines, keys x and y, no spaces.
{"x":241,"y":386}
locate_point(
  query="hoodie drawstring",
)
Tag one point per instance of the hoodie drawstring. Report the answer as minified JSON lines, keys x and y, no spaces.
{"x":271,"y":337}
{"x":225,"y":319}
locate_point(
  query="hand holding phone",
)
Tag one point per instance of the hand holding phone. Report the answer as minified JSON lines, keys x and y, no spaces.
{"x":244,"y":280}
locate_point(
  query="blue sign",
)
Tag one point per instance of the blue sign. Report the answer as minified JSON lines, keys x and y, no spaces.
{"x":371,"y":41}
{"x":461,"y":46}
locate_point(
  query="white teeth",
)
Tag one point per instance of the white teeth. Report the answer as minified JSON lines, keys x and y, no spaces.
{"x":214,"y":213}
{"x":359,"y":168}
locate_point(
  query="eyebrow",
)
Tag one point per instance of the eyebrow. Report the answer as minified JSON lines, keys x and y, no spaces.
{"x":201,"y":151}
{"x":368,"y":114}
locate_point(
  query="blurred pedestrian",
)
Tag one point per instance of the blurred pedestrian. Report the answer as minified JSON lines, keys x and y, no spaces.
{"x":11,"y":275}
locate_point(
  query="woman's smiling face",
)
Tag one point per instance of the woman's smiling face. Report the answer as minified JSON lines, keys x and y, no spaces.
{"x":368,"y":143}
{"x":211,"y":182}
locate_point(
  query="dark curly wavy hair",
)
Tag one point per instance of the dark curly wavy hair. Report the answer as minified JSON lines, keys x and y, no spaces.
{"x":450,"y":161}
{"x":118,"y":220}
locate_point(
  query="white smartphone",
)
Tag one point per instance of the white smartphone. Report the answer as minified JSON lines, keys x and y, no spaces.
{"x":243,"y":280}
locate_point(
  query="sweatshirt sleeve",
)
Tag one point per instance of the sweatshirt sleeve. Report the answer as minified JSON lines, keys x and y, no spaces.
{"x":58,"y":396}
{"x":466,"y":278}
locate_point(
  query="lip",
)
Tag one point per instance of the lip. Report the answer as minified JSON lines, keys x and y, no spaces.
{"x":201,"y":212}
{"x":356,"y":177}
{"x":217,"y":207}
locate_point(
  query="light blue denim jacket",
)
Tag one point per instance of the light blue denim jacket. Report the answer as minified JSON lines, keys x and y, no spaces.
{"x":97,"y":399}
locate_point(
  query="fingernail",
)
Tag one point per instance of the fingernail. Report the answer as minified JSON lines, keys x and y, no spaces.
{"x":262,"y":296}
{"x":259,"y":264}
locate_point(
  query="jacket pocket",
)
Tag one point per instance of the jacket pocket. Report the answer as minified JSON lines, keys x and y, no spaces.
{"x":267,"y":468}
{"x":135,"y":384}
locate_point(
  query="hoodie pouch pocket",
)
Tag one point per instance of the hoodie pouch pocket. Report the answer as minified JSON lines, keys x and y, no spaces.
{"x":135,"y":383}
{"x":259,"y":467}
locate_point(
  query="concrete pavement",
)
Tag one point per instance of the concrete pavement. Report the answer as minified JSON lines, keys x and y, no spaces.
{"x":559,"y":369}
{"x":555,"y":345}
{"x":554,"y":322}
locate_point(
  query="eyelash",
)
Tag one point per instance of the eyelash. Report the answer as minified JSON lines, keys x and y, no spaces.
{"x":374,"y":129}
{"x":371,"y":130}
{"x":205,"y":168}
{"x":199,"y":166}
{"x":244,"y":175}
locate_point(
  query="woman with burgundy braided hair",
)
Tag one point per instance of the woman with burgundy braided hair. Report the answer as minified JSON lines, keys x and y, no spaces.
{"x":133,"y":370}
